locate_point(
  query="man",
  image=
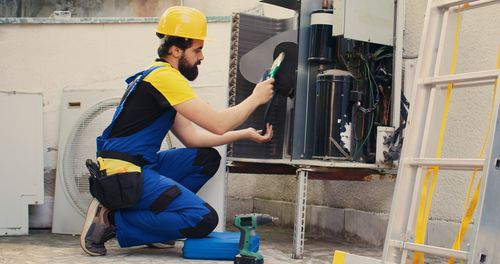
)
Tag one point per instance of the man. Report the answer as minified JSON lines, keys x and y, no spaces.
{"x":168,"y":207}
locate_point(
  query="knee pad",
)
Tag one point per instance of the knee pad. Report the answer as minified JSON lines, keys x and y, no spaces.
{"x":205,"y":226}
{"x":209,"y":159}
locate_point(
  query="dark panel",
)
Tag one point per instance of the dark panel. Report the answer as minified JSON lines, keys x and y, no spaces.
{"x":248,"y":31}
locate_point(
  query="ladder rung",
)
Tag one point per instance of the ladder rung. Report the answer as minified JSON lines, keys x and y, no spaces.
{"x":452,"y":3}
{"x":447,"y":164}
{"x":433,"y":250}
{"x":490,"y":75}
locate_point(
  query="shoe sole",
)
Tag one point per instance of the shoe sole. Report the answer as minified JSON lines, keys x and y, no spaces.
{"x":91,"y":211}
{"x":160,"y":245}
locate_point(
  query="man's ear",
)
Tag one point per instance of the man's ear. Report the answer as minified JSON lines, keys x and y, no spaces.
{"x":175,"y":51}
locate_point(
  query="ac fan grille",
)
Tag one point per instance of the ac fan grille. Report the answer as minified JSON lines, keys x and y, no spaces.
{"x":79,"y":146}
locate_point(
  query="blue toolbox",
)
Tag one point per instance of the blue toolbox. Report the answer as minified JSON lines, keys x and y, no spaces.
{"x":217,"y":246}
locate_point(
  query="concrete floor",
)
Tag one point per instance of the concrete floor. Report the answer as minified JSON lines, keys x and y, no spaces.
{"x":41,"y":246}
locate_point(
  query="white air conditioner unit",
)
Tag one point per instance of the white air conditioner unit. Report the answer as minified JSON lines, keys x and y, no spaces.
{"x":21,"y":163}
{"x":84,"y":114}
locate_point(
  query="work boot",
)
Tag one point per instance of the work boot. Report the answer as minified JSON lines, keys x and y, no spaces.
{"x":96,"y":229}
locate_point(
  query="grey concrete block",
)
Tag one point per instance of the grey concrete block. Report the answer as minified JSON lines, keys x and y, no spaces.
{"x":236,"y":206}
{"x":276,"y":187}
{"x":285,"y":211}
{"x":320,"y":220}
{"x":443,"y":233}
{"x":325,"y":220}
{"x":370,"y":227}
{"x":241,"y":185}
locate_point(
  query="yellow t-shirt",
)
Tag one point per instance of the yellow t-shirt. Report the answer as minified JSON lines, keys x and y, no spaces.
{"x":170,"y":83}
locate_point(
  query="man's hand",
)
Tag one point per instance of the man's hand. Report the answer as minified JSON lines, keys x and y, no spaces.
{"x":256,"y":135}
{"x":263,"y":91}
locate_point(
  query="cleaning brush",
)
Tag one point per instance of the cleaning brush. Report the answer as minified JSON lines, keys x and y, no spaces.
{"x":276,"y":65}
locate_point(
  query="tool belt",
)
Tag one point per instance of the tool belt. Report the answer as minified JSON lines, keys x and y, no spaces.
{"x":116,"y":180}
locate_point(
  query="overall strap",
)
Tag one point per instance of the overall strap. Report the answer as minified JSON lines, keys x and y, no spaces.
{"x":132,"y":82}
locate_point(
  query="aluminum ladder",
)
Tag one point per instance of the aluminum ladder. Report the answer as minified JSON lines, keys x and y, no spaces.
{"x":422,"y":133}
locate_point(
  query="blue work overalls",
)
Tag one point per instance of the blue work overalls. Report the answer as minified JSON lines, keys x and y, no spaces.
{"x":168,"y":208}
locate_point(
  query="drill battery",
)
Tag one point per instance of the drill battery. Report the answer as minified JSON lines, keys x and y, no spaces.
{"x":247,"y":260}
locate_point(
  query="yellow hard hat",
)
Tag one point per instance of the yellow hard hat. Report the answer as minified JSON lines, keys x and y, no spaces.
{"x":183,"y":21}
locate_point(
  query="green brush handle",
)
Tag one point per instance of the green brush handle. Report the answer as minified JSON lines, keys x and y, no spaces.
{"x":273,"y":72}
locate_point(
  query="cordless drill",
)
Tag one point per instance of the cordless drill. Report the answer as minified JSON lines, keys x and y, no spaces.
{"x":247,"y":223}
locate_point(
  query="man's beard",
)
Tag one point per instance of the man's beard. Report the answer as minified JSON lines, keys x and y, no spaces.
{"x":190,"y":72}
